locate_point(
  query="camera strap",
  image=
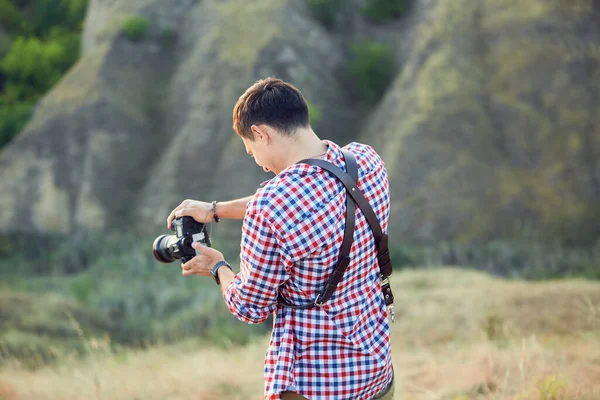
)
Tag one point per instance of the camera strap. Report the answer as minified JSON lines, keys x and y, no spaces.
{"x":353,"y":197}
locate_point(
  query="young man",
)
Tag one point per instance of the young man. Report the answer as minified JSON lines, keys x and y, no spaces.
{"x":291,"y":237}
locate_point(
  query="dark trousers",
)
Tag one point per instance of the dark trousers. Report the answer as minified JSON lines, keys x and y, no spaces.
{"x":385,"y":394}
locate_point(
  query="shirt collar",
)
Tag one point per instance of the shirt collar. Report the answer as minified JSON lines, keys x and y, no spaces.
{"x":332,"y":153}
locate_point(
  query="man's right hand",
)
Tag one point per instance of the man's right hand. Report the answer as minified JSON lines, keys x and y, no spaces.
{"x":201,"y":211}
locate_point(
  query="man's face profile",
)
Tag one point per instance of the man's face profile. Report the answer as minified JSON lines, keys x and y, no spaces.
{"x":258,"y":150}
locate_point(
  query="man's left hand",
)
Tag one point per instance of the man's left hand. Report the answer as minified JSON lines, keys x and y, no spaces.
{"x":203,"y":262}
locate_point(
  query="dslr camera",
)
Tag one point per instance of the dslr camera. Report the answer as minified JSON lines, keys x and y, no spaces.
{"x":168,"y":248}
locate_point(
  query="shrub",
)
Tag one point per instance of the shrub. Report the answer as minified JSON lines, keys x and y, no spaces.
{"x":381,"y":10}
{"x":324,"y":11}
{"x":31,"y":62}
{"x":135,"y":27}
{"x":30,"y":68}
{"x":69,"y":42}
{"x":371,"y":69}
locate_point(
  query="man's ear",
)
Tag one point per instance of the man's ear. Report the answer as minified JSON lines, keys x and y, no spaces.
{"x":260,"y":132}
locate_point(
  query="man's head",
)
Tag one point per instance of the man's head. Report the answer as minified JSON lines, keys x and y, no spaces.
{"x":271,"y":102}
{"x":272,"y":119}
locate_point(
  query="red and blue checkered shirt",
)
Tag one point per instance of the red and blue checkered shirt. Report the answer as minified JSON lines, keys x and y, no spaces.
{"x":291,"y":238}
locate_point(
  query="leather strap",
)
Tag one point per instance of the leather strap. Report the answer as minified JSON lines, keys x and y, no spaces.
{"x":381,"y":239}
{"x":214,"y":271}
{"x":354,"y":195}
{"x":344,"y":257}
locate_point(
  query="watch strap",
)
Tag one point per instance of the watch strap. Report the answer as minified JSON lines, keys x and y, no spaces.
{"x":214,"y":271}
{"x":213,"y":208}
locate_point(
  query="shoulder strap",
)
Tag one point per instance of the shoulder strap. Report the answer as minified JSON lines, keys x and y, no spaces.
{"x":344,"y":257}
{"x":381,"y":239}
{"x":353,"y":195}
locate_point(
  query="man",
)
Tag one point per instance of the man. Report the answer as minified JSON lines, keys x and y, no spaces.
{"x":291,"y":237}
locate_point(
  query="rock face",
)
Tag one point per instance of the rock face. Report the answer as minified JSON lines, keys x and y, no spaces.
{"x":137,"y":126}
{"x":491,"y":128}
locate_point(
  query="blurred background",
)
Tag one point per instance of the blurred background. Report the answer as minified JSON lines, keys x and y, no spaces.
{"x":486,"y":113}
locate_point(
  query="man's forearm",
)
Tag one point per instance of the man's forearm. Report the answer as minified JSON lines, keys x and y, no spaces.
{"x":233,"y":209}
{"x":226,"y":276}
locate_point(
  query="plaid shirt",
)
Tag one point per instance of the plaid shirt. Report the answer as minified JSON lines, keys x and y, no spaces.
{"x":291,"y":239}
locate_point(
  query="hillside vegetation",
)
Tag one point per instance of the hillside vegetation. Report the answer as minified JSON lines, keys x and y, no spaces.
{"x":39,"y":42}
{"x":125,"y":296}
{"x":459,"y":335}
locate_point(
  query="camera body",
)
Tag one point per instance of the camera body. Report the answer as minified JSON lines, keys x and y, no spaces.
{"x":168,"y":248}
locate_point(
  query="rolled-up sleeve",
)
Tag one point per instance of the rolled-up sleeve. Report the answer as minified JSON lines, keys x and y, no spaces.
{"x":252,"y":295}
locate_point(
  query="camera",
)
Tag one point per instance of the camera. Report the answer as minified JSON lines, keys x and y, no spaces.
{"x":168,"y":248}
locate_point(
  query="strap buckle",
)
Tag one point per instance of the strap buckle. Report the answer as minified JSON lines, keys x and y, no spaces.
{"x":391,"y":313}
{"x":318,"y":303}
{"x":388,"y":296}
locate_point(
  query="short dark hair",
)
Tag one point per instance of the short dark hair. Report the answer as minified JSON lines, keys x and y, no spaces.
{"x":272,"y":102}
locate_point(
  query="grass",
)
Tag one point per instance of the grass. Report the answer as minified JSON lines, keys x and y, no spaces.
{"x":544,"y":345}
{"x":121,"y":292}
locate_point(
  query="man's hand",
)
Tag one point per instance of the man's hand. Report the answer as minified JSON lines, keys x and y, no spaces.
{"x":201,"y":211}
{"x":202,"y":263}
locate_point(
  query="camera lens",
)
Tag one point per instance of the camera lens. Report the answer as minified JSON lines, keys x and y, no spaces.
{"x":164,"y":250}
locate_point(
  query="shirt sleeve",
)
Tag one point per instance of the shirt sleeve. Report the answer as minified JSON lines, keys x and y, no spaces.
{"x":252,"y":295}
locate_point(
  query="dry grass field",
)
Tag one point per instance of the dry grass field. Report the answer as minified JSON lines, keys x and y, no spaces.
{"x":458,"y":335}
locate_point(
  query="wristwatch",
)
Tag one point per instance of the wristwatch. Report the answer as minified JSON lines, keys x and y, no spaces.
{"x":213,"y":208}
{"x":214,"y":270}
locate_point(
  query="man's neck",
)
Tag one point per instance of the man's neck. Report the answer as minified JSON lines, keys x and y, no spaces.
{"x":305,"y":144}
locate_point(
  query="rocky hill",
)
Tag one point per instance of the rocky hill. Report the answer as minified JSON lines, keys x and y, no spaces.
{"x":489,"y":129}
{"x":493,"y":127}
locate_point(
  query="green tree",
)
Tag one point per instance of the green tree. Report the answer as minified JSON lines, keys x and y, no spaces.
{"x":31,"y":62}
{"x":46,"y":46}
{"x":12,"y":19}
{"x":48,"y":14}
